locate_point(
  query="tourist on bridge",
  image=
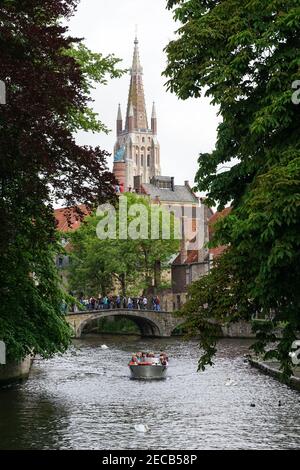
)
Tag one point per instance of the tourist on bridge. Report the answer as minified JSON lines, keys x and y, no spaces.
{"x":118,"y":301}
{"x":145,"y":303}
{"x":111,"y":302}
{"x":99,"y":302}
{"x":157,"y":304}
{"x":129,"y":303}
{"x":92,"y":303}
{"x":140,"y":303}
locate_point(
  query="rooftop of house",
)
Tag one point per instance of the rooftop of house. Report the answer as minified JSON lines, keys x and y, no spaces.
{"x":68,"y":219}
{"x":217,"y":216}
{"x":193,"y":255}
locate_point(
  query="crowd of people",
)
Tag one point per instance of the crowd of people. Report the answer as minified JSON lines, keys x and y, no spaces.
{"x":115,"y":302}
{"x":142,"y":358}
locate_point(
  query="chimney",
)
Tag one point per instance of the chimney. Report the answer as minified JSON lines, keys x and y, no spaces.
{"x":154,"y":120}
{"x":183,"y":243}
{"x":172,"y":183}
{"x":186,"y":183}
{"x":137,"y":181}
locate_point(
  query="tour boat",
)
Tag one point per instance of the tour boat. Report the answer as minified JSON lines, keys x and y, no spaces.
{"x":150,"y":368}
{"x":148,"y":371}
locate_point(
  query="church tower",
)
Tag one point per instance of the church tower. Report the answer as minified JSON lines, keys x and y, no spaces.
{"x":137,"y":151}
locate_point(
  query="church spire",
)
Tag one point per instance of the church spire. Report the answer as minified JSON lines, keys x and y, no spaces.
{"x":119,"y":121}
{"x":136,"y":93}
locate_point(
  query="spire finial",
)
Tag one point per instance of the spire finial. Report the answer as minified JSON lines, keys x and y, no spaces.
{"x":119,"y":118}
{"x":136,"y":65}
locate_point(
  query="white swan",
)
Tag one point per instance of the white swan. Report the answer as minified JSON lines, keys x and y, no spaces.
{"x":141,"y":427}
{"x":230,"y":382}
{"x":104,"y":346}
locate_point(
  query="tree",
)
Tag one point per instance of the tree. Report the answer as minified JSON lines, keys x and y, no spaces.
{"x":97,"y":264}
{"x":48,"y":76}
{"x":245,"y":56}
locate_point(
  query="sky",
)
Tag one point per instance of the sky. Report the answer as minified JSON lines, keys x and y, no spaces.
{"x":185,"y":128}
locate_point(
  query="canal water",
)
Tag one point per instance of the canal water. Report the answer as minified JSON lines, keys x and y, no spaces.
{"x":85,"y":400}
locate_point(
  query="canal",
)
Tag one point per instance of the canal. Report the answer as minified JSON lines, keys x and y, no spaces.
{"x":85,"y":400}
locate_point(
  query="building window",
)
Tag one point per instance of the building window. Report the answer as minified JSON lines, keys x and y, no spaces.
{"x":60,"y":262}
{"x":142,"y":160}
{"x":136,"y":159}
{"x":143,"y":139}
{"x":148,"y":160}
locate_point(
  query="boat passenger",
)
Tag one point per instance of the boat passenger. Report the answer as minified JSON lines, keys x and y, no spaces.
{"x":163,"y":359}
{"x":134,"y":360}
{"x":143,"y":357}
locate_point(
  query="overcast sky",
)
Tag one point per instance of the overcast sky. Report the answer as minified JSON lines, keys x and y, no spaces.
{"x":186,"y":128}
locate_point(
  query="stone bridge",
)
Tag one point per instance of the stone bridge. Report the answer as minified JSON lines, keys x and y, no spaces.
{"x":150,"y":323}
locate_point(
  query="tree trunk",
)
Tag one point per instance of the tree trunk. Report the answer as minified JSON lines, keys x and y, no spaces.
{"x":123,"y":284}
{"x":157,"y":274}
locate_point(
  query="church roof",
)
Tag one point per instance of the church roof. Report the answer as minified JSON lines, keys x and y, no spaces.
{"x":181,"y":194}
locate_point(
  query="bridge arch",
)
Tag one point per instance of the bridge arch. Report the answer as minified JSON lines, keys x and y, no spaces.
{"x":180,"y":323}
{"x":147,"y":326}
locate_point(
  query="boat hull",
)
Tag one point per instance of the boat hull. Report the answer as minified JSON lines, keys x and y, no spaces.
{"x":156,"y":372}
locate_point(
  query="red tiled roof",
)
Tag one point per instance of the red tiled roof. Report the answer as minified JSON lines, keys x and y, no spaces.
{"x":217,"y":251}
{"x":193,"y":255}
{"x":217,"y":216}
{"x":67,"y":219}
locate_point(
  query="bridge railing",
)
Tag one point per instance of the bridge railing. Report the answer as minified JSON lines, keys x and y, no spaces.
{"x":106,"y":310}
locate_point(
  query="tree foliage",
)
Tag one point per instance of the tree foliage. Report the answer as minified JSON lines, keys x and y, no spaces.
{"x":48,"y":75}
{"x":132,"y":265}
{"x":244,"y":55}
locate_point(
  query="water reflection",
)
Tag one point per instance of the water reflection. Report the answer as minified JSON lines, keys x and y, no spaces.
{"x":85,"y":400}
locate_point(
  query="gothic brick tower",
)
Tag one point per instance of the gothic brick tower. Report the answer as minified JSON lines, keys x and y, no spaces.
{"x":137,"y":151}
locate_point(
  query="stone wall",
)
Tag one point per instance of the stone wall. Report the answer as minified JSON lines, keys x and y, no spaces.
{"x":15,"y":371}
{"x":240,"y":329}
